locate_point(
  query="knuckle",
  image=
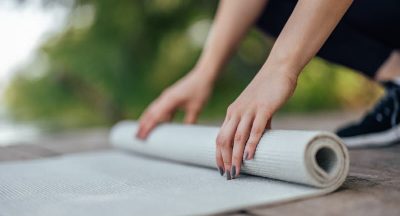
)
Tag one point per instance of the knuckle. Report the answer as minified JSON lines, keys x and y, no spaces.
{"x":257,"y":133}
{"x":221,"y":140}
{"x":227,"y":163}
{"x":218,"y":140}
{"x":227,"y":146}
{"x":239,"y":138}
{"x":151,"y":114}
{"x":262,"y":106}
{"x":169,"y":95}
{"x":252,"y":143}
{"x":175,"y":97}
{"x":164,"y":94}
{"x":250,"y":114}
{"x":154,"y":117}
{"x":231,"y":109}
{"x":152,"y":109}
{"x":265,"y":108}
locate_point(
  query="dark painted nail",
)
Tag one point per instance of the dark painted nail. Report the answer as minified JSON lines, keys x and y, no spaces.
{"x":221,"y":171}
{"x":228,"y":175}
{"x":233,"y":171}
{"x":246,"y":156}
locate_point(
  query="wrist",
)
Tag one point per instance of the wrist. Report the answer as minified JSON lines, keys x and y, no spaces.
{"x":283,"y":63}
{"x":207,"y":73}
{"x":284,"y":71}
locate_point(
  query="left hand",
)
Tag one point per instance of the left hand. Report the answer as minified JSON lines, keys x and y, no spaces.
{"x":248,"y":117}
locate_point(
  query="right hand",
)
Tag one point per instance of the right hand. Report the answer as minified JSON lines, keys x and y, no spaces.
{"x":189,"y":94}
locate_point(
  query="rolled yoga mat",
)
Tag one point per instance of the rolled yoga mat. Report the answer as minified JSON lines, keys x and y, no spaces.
{"x":173,"y":173}
{"x":313,"y":158}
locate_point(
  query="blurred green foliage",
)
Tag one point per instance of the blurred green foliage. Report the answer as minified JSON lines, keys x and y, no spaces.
{"x":114,"y":57}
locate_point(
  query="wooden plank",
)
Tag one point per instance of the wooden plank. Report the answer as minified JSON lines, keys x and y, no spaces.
{"x":53,"y":145}
{"x":24,"y":152}
{"x":73,"y":142}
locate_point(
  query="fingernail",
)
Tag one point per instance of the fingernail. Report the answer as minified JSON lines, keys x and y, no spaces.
{"x":233,"y":171}
{"x":246,"y":156}
{"x":221,"y":171}
{"x":228,"y":175}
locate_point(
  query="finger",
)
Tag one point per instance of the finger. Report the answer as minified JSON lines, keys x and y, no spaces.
{"x":218,"y":154}
{"x":154,"y":122}
{"x":147,"y":123}
{"x":257,"y":130}
{"x":225,"y":141}
{"x":220,"y":162}
{"x":191,"y":115}
{"x":147,"y":128}
{"x":158,"y":112}
{"x":240,"y":139}
{"x":144,"y":119}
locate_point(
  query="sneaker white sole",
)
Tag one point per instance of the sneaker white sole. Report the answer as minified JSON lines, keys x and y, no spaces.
{"x":380,"y":139}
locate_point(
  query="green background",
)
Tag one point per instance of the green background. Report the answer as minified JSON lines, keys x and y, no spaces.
{"x":114,"y":57}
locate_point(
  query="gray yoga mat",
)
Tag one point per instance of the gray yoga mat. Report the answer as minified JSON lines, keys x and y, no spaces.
{"x":172,"y":173}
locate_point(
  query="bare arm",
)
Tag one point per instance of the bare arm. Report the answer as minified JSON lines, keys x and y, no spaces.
{"x":232,"y":21}
{"x":310,"y":24}
{"x":250,"y":114}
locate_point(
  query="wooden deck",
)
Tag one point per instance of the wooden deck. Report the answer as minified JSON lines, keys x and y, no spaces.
{"x":372,"y":187}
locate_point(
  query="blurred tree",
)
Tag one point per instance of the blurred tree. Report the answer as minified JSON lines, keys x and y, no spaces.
{"x":114,"y":57}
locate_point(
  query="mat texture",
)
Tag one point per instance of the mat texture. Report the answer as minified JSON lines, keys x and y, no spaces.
{"x":172,"y":173}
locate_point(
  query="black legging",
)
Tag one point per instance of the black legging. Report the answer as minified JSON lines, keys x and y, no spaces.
{"x":363,"y":39}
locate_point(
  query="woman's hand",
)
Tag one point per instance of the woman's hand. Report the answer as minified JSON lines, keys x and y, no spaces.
{"x":189,"y":93}
{"x":309,"y":25}
{"x":248,"y":117}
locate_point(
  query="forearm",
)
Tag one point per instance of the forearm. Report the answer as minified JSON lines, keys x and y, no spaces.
{"x":231,"y":23}
{"x":310,"y":24}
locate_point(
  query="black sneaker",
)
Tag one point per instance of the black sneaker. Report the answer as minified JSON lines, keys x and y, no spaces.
{"x":380,"y":126}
